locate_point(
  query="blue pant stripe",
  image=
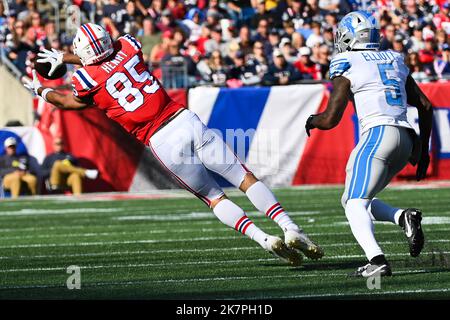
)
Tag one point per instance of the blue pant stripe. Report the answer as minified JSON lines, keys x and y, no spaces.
{"x":369,"y":163}
{"x":356,"y":163}
{"x":362,"y":165}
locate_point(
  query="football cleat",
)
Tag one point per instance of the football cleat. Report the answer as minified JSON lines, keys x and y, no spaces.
{"x":278,"y":248}
{"x":372,"y":269}
{"x":410,"y":222}
{"x":299,"y":240}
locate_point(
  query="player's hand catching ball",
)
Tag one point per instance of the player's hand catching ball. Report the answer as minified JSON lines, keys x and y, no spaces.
{"x":33,"y":84}
{"x":54,"y":57}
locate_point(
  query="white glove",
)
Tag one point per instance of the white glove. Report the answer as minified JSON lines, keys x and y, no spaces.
{"x":33,"y":84}
{"x":54,"y":57}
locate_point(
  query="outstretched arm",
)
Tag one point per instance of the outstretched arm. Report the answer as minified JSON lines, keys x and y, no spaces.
{"x":417,"y":98}
{"x":335,"y":108}
{"x":62,"y":101}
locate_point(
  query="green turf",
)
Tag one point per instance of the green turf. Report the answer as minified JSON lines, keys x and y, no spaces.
{"x":177,"y":249}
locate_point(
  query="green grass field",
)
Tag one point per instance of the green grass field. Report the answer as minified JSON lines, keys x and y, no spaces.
{"x":174,"y":248}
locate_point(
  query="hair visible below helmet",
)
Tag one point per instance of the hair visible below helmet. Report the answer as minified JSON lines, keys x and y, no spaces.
{"x":357,"y":30}
{"x":92,"y":44}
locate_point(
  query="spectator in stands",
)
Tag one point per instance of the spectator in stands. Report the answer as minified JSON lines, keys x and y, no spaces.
{"x":298,"y":40}
{"x":417,"y":42}
{"x":62,"y":170}
{"x":166,"y":22}
{"x":388,"y":38}
{"x":216,"y":42}
{"x":258,"y":54}
{"x":213,"y":70}
{"x":316,"y":36}
{"x":280,"y":71}
{"x":175,"y":61}
{"x":27,"y":46}
{"x":160,"y":49}
{"x":15,"y":171}
{"x":149,"y":38}
{"x":427,"y":55}
{"x":115,"y":15}
{"x":243,"y":72}
{"x":329,"y":5}
{"x":245,"y":42}
{"x":261,"y":13}
{"x":442,"y":64}
{"x":398,"y":44}
{"x":240,"y":11}
{"x":155,"y":11}
{"x":416,"y":68}
{"x":272,"y":43}
{"x":262,"y":31}
{"x":306,"y":66}
{"x":324,"y":61}
{"x":295,"y":13}
{"x":192,"y":23}
{"x":289,"y":52}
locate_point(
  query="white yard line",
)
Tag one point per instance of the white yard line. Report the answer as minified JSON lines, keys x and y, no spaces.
{"x":159,"y":241}
{"x":245,"y":278}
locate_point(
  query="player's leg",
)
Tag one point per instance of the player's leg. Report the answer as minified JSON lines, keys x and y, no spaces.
{"x":218,"y":157}
{"x":364,"y":172}
{"x":409,"y":219}
{"x":173,"y":146}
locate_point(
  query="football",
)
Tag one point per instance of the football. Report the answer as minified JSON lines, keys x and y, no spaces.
{"x":44,"y":68}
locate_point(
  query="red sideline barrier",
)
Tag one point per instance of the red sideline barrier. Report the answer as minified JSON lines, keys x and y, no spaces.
{"x":98,"y":142}
{"x":326,"y":153}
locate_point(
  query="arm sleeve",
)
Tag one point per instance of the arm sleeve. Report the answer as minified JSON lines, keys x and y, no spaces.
{"x":83,"y":85}
{"x":339,"y":65}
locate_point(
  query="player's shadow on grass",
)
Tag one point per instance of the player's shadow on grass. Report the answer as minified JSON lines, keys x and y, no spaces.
{"x":310,"y":265}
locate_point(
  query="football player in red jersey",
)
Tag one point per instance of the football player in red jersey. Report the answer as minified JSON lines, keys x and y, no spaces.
{"x":114,"y":78}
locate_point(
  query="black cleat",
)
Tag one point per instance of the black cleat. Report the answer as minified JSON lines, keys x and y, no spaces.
{"x":410,"y":221}
{"x":371,"y":269}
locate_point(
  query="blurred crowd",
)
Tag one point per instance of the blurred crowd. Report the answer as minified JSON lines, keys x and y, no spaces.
{"x":235,"y":43}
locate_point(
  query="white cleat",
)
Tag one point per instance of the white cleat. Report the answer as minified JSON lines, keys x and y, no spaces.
{"x":278,"y":248}
{"x":300,"y":241}
{"x":91,"y":174}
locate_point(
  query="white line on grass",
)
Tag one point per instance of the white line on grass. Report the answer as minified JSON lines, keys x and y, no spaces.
{"x":159,"y":241}
{"x":211,"y":279}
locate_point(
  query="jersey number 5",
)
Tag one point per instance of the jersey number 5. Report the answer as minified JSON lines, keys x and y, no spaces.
{"x":393,"y":96}
{"x":120,"y":87}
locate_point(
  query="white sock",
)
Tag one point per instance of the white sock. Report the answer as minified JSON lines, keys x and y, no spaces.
{"x":362,"y":226}
{"x":233,"y":216}
{"x":264,"y":200}
{"x":384,"y":212}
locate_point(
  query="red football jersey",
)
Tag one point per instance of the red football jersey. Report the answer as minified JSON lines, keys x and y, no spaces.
{"x":125,"y":90}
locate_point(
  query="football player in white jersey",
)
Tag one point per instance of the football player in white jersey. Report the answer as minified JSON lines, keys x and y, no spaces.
{"x":381,"y":88}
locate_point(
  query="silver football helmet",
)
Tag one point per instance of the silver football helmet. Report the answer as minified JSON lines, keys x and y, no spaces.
{"x":357,"y":30}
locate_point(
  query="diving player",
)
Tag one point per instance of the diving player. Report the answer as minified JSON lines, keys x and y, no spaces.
{"x":381,"y":88}
{"x":114,"y":78}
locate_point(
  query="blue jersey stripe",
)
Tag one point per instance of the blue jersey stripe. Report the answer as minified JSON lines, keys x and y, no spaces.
{"x":361,"y":171}
{"x":85,"y":80}
{"x":369,"y":169}
{"x":356,"y":164}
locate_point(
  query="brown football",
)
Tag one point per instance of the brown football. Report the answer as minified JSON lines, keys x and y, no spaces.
{"x":44,"y":68}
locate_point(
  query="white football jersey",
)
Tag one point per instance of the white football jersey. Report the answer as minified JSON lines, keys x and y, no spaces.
{"x":378,"y":81}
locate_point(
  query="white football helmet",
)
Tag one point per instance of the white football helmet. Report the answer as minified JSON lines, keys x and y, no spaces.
{"x":92,"y":44}
{"x":358,"y":30}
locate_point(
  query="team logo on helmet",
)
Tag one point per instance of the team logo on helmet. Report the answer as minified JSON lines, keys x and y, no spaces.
{"x":357,"y":30}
